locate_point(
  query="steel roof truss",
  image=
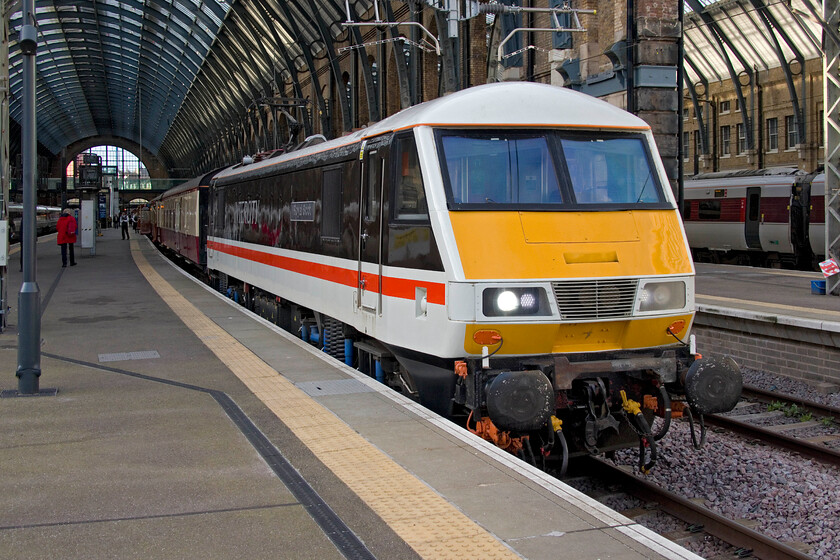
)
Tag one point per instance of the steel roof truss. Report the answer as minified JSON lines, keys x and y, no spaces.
{"x":722,"y":40}
{"x":772,"y":27}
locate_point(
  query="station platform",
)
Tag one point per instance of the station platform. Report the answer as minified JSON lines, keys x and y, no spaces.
{"x":185,"y":427}
{"x":769,"y":320}
{"x":784,"y":294}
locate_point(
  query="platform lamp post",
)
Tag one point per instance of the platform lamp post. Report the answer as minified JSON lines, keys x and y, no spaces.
{"x":29,"y":299}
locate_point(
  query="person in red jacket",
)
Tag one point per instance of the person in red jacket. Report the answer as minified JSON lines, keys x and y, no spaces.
{"x":66,"y":236}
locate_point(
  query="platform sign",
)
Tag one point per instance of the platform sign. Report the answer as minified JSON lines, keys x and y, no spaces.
{"x":102,"y":209}
{"x":829,"y":267}
{"x":87,"y":226}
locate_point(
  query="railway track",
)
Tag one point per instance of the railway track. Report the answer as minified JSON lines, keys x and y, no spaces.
{"x":745,"y":541}
{"x":776,"y":435}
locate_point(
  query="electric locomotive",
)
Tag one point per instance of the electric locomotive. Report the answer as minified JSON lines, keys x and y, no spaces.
{"x":511,"y":251}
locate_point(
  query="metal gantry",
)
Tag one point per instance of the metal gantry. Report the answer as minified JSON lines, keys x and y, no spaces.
{"x":831,"y":16}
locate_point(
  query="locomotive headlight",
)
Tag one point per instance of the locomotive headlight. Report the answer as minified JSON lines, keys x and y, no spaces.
{"x":507,"y":301}
{"x":514,"y":302}
{"x":660,"y":296}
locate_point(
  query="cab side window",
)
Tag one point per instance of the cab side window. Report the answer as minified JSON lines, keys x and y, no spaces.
{"x":410,"y":196}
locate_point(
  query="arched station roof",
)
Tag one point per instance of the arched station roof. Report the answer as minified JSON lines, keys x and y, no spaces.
{"x":163,"y":73}
{"x":112,"y":67}
{"x":173,"y":76}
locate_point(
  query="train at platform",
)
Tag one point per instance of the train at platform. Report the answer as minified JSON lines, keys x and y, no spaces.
{"x":508,"y":255}
{"x":772,"y":217}
{"x":46,"y":220}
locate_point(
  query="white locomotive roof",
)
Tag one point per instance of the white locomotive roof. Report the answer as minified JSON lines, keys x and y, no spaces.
{"x":513,"y":104}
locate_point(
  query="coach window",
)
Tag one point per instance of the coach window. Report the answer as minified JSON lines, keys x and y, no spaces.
{"x":410,"y":197}
{"x":709,"y":210}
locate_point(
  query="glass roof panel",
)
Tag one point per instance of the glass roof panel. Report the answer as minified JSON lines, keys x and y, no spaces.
{"x":742,"y":26}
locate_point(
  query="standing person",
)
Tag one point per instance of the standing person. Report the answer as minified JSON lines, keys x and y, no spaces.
{"x":66,"y":236}
{"x":124,"y":224}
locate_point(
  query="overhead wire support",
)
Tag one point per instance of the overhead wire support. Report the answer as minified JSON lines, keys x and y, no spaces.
{"x":425,"y":46}
{"x":378,"y":22}
{"x":523,"y":49}
{"x":831,"y":96}
{"x":576,"y":27}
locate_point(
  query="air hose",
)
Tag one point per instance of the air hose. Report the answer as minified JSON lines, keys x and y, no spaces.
{"x":557,"y":425}
{"x":666,"y":405}
{"x":691,"y":426}
{"x":646,"y":439}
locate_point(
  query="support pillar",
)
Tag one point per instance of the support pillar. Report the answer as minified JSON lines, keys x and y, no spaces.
{"x":653,"y":76}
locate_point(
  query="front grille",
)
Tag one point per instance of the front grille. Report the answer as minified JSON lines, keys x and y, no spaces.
{"x":583,"y":300}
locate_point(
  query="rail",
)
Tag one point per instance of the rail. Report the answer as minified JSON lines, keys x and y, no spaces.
{"x":713,"y":523}
{"x":806,"y":448}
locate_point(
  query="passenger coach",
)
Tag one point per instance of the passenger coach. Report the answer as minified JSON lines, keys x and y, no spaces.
{"x":769,"y":217}
{"x":179,"y":219}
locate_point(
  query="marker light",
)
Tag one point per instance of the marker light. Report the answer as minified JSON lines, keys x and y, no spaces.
{"x":528,"y":301}
{"x":487,"y":337}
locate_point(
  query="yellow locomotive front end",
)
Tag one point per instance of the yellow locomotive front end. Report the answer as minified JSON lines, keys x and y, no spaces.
{"x":575,"y":289}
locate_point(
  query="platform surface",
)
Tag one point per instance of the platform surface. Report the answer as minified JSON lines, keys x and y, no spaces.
{"x":766,"y":291}
{"x":184,"y":427}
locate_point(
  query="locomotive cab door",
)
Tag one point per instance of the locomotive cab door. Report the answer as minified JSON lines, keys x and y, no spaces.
{"x":371,"y":225}
{"x":752,"y":218}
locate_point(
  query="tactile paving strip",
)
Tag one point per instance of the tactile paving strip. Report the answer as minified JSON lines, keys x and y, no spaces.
{"x":433,"y":527}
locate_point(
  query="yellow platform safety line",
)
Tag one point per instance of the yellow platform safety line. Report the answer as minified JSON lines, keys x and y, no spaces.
{"x":433,"y":527}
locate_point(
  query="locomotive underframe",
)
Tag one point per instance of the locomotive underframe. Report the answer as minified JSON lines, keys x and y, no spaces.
{"x":587,"y":393}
